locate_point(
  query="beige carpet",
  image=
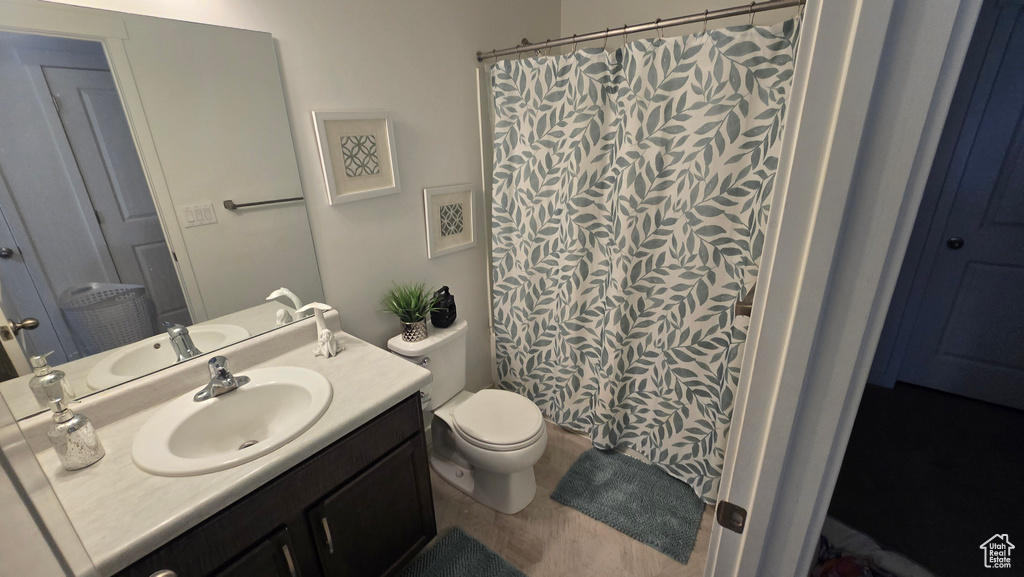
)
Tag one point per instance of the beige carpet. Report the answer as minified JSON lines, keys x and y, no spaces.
{"x":548,"y":539}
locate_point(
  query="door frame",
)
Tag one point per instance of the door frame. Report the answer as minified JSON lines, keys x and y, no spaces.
{"x":109,"y":30}
{"x":840,"y":224}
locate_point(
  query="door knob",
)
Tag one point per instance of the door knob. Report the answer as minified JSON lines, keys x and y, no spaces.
{"x":11,"y":329}
{"x":6,"y":252}
{"x":955,"y":243}
{"x":28,"y":323}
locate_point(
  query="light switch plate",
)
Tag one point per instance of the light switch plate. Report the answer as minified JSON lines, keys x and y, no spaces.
{"x":197,"y":214}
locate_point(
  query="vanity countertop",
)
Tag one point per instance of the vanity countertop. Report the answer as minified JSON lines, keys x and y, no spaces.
{"x":121,"y":513}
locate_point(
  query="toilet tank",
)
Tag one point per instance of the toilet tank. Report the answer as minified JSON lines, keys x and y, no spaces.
{"x":443,"y":352}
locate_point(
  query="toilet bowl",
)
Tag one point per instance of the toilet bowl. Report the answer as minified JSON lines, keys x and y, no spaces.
{"x":486,"y":443}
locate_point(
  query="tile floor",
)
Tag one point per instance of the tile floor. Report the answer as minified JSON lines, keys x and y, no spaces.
{"x":548,"y":539}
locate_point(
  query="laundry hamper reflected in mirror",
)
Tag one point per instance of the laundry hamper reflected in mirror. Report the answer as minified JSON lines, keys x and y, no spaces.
{"x":104,"y":316}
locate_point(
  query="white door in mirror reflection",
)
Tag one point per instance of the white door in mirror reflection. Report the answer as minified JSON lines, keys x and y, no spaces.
{"x":96,"y":127}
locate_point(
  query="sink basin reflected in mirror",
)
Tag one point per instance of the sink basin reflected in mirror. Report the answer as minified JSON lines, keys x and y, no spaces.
{"x":155,"y":353}
{"x":185,"y":437}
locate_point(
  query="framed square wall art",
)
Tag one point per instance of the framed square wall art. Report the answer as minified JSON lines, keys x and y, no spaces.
{"x":357,"y":152}
{"x":450,"y":224}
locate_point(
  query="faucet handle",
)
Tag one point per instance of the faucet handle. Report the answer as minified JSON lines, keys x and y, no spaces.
{"x":221,"y":380}
{"x":218,"y":366}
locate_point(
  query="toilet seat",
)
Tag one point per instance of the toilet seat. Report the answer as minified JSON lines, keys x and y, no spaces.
{"x":498,"y":421}
{"x":494,"y":447}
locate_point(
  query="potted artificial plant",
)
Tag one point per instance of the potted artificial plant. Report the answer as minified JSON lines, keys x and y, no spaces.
{"x":412,"y":303}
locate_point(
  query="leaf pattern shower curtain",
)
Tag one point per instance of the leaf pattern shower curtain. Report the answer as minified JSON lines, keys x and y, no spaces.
{"x":630,"y":198}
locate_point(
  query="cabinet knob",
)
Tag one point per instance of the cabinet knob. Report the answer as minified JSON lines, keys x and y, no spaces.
{"x":164,"y":573}
{"x":6,"y":252}
{"x":955,"y":243}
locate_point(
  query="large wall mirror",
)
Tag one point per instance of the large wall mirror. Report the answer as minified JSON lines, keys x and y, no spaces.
{"x":121,"y":138}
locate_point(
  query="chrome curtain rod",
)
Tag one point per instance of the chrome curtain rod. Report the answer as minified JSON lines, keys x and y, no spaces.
{"x":659,"y":24}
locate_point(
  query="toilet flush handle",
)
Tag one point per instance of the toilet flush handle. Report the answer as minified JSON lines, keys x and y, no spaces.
{"x":425,"y":361}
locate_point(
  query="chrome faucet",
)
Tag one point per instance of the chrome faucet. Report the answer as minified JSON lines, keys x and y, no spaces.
{"x":221,"y":380}
{"x":181,"y":341}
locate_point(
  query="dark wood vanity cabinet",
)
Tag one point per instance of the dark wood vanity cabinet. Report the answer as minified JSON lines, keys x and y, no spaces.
{"x":360,"y":507}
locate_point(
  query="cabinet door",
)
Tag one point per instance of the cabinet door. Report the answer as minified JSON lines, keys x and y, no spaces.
{"x":271,"y":558}
{"x":377,"y":522}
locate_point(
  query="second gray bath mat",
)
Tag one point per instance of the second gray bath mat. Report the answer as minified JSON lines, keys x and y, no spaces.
{"x":459,"y":555}
{"x":638,"y":499}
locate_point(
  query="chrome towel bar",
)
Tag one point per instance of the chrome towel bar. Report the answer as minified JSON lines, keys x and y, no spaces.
{"x":231,"y":205}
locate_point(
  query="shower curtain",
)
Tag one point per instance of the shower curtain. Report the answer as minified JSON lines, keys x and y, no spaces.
{"x":630,"y":197}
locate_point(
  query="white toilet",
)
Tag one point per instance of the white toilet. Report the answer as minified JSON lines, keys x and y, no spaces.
{"x":485,"y":444}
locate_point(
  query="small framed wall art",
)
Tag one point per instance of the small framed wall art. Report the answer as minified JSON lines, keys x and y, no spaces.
{"x":357,"y":152}
{"x":450,"y":225}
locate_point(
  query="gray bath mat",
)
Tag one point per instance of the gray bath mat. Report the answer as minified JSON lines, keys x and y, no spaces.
{"x":459,"y":555}
{"x":638,"y":499}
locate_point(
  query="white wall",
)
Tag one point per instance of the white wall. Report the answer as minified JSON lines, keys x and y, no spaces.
{"x":417,"y":61}
{"x":583,"y":16}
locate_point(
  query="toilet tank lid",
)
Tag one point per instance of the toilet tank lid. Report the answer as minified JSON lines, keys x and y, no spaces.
{"x":436,"y":338}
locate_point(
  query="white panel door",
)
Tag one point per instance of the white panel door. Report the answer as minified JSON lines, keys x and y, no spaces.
{"x":97,"y":129}
{"x":20,"y":299}
{"x":968,"y":337}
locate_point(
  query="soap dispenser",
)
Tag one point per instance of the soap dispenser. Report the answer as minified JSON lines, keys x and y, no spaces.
{"x":73,"y":437}
{"x":46,"y":377}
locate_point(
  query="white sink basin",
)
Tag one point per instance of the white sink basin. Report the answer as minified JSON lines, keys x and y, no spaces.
{"x":155,"y":353}
{"x":186,"y":437}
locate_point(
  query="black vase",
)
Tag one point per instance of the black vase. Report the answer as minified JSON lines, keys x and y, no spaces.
{"x":445,"y":314}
